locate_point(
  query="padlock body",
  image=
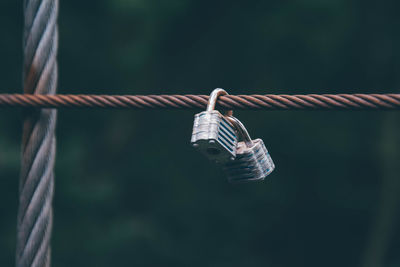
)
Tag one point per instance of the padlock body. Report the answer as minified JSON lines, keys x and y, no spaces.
{"x":251,"y":163}
{"x":214,"y":136}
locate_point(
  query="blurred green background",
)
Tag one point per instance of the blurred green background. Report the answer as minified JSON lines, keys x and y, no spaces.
{"x":130,"y":191}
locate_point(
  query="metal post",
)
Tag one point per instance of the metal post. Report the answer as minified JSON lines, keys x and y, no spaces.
{"x":35,"y":215}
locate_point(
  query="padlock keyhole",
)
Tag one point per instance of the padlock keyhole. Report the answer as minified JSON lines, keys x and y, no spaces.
{"x":213,"y":151}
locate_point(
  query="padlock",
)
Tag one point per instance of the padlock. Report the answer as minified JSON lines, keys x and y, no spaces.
{"x":212,"y":134}
{"x":253,"y":161}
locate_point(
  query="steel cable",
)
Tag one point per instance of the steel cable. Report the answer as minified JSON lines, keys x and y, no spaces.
{"x":256,"y":102}
{"x":35,"y":215}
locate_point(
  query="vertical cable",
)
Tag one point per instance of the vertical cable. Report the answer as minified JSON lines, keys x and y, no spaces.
{"x":36,"y":188}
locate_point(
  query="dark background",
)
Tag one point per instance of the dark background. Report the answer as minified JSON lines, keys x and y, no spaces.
{"x":130,"y":191}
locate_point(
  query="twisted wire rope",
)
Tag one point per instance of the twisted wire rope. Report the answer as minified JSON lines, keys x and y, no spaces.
{"x":36,"y":188}
{"x":257,"y":102}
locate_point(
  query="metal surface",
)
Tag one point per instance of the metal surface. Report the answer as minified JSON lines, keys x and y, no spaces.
{"x":239,"y":127}
{"x":212,"y":134}
{"x":212,"y":100}
{"x":252,"y":162}
{"x":35,"y":216}
{"x":256,"y":102}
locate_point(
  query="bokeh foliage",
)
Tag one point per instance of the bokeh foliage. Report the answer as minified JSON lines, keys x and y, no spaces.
{"x":130,"y":191}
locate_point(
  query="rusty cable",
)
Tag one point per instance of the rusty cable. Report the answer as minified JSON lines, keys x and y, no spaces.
{"x":36,"y":185}
{"x":255,"y":102}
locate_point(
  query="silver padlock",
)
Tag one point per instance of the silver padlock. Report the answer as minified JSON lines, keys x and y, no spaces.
{"x":212,"y":134}
{"x":252,"y":162}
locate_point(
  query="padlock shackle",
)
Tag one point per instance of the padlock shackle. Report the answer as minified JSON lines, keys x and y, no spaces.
{"x":212,"y":101}
{"x":242,"y":131}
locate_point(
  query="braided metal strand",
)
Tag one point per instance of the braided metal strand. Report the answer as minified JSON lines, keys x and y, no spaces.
{"x":35,"y":215}
{"x":256,"y":102}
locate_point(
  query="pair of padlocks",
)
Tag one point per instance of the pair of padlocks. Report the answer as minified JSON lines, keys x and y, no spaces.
{"x":225,"y":140}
